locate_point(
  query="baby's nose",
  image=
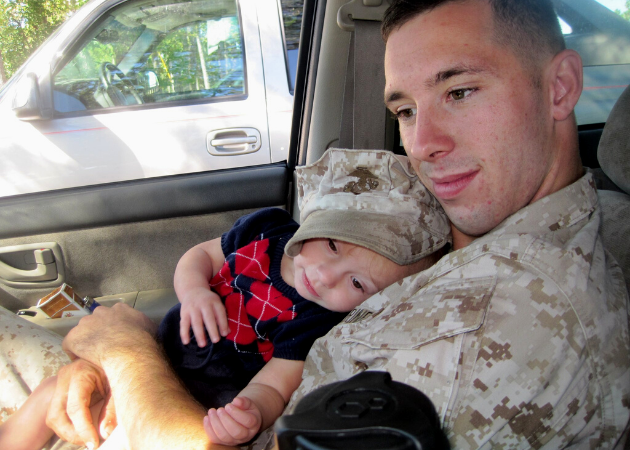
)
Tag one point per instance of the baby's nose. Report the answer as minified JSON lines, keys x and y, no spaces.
{"x":328,"y":276}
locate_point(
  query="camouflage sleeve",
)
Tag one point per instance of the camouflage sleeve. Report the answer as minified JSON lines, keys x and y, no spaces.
{"x":28,"y":354}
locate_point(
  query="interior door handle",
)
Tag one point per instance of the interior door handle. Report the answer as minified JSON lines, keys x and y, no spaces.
{"x":46,"y":269}
{"x":26,"y":265}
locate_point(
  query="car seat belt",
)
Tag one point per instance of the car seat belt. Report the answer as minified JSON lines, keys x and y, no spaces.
{"x":346,"y":133}
{"x":364,"y":116}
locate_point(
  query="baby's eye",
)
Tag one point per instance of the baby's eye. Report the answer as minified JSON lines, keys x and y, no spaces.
{"x":356,"y":283}
{"x":332,"y":246}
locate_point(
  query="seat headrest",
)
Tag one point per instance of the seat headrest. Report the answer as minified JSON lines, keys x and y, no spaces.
{"x":613,"y":152}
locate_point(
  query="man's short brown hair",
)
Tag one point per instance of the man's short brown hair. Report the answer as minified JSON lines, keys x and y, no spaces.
{"x":529,"y":27}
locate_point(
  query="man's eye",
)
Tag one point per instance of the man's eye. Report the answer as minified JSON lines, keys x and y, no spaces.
{"x":405,"y":113}
{"x":460,"y":94}
{"x":356,"y":284}
{"x":332,"y":245}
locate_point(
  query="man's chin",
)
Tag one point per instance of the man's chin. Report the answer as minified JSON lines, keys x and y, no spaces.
{"x":466,"y":231}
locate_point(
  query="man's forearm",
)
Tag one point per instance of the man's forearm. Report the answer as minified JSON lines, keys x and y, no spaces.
{"x":154,"y":408}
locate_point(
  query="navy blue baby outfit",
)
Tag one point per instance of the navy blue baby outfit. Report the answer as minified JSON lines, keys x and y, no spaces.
{"x":267,"y":317}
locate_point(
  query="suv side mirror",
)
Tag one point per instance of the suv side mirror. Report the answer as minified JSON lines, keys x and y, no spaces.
{"x":26,"y":103}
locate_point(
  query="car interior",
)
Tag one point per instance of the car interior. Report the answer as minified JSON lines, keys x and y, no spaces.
{"x":614,"y":187}
{"x":121,"y":242}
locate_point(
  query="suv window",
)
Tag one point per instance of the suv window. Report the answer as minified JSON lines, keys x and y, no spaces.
{"x":154,"y":53}
{"x":602,"y":38}
{"x":292,"y":21}
{"x":153,"y":88}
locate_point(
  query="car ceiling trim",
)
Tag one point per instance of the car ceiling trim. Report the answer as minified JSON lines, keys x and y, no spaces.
{"x":361,"y":10}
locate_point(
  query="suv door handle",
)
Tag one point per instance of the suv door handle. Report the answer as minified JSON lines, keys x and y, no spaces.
{"x":233,"y":141}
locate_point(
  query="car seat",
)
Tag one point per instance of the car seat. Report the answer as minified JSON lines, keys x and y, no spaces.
{"x":613,"y":155}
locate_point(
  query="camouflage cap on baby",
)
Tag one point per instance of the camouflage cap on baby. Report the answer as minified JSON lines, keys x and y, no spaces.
{"x":370,"y":198}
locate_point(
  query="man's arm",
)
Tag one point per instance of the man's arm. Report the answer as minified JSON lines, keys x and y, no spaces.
{"x":154,"y":408}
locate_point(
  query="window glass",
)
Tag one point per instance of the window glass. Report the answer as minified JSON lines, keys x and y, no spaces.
{"x":292,"y":21}
{"x":156,"y":51}
{"x":601,"y":34}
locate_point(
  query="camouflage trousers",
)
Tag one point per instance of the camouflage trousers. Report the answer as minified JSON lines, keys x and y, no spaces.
{"x":28,"y":354}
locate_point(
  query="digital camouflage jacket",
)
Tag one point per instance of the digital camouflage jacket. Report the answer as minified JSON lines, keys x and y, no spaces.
{"x":520,"y":339}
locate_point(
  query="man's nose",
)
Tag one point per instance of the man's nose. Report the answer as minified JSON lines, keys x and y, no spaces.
{"x":430,"y":138}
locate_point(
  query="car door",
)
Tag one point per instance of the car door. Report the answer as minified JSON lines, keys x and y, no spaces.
{"x":123,"y":239}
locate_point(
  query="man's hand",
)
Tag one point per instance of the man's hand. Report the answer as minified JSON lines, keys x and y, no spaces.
{"x":235,"y":424}
{"x":108,"y":330}
{"x":121,"y":342}
{"x":202,"y":310}
{"x":79,"y":386}
{"x":107,"y":419}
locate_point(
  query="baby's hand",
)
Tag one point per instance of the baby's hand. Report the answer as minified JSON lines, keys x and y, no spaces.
{"x":203,"y":310}
{"x":235,"y":424}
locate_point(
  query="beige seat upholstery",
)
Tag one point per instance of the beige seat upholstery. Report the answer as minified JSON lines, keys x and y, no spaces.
{"x":613,"y":155}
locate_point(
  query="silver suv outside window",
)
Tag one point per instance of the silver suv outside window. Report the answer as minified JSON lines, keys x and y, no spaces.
{"x":154,"y":53}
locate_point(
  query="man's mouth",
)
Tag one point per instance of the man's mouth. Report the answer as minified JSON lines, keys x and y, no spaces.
{"x":309,"y":287}
{"x":448,"y":187}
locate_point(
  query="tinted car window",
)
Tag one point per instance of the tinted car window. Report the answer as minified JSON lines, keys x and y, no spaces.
{"x":292,"y":21}
{"x":602,"y":38}
{"x":152,"y":88}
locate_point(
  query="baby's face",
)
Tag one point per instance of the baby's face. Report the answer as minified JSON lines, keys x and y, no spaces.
{"x":340,"y":276}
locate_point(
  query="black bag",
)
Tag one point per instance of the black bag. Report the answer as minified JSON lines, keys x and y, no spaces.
{"x":368,"y":411}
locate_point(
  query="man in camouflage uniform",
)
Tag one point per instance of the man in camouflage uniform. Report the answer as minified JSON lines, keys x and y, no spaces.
{"x":520,"y":334}
{"x":518,"y":338}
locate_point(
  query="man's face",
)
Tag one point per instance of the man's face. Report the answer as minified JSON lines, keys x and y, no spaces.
{"x":472,"y":120}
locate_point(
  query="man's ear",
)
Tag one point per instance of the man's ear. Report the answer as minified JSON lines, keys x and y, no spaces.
{"x":566,"y":83}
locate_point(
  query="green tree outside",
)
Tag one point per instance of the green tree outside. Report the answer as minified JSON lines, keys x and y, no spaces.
{"x":625,"y":14}
{"x":24,"y":25}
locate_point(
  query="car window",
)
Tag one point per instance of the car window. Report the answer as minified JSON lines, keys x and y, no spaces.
{"x":292,"y":21}
{"x":602,"y":38}
{"x":144,"y":53}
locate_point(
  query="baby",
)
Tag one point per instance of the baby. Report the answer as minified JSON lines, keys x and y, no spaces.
{"x":258,"y":297}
